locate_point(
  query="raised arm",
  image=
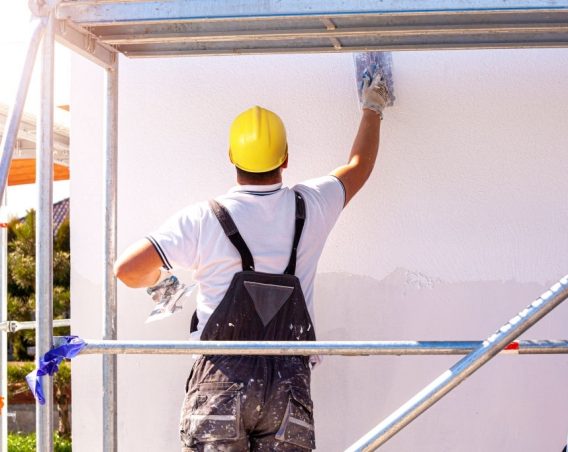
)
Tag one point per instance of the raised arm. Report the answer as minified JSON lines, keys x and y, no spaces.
{"x":363,"y":154}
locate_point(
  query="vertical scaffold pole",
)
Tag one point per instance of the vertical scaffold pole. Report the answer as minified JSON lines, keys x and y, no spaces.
{"x":463,"y":368}
{"x":17,"y":108}
{"x":3,"y":333}
{"x":7,"y":146}
{"x":109,"y":237}
{"x":44,"y":237}
{"x":9,"y":138}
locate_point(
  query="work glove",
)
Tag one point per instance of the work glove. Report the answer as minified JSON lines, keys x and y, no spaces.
{"x":375,"y":94}
{"x":169,"y":294}
{"x":164,"y":288}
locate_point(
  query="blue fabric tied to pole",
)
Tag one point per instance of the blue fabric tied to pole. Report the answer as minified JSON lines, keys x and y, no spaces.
{"x":49,"y":363}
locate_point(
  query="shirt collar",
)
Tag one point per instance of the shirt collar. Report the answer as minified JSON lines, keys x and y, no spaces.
{"x":252,"y":189}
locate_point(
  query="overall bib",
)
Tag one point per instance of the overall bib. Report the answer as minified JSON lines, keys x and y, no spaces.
{"x":256,"y":403}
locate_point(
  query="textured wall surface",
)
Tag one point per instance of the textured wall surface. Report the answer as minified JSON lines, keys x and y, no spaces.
{"x":461,"y":225}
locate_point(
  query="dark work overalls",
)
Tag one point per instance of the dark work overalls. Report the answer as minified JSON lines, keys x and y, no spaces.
{"x":256,"y":403}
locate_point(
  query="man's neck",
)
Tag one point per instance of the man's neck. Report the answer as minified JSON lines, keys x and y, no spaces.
{"x":271,"y":181}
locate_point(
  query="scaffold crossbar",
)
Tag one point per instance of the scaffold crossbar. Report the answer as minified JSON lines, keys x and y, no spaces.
{"x":345,"y":348}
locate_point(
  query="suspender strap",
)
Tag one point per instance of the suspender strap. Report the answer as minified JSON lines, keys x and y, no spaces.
{"x":300,"y":219}
{"x":232,"y":233}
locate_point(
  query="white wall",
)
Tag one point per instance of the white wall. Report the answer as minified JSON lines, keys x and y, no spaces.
{"x":462,"y":224}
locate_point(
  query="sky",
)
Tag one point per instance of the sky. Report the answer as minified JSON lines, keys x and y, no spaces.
{"x":14,"y":33}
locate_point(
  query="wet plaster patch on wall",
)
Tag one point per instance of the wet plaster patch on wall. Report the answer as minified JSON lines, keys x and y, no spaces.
{"x":408,"y":305}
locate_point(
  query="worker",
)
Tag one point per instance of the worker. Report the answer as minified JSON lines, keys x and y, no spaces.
{"x":254,"y":251}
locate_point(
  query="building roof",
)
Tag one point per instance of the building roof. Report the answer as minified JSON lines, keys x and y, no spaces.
{"x":60,"y":213}
{"x":23,"y":166}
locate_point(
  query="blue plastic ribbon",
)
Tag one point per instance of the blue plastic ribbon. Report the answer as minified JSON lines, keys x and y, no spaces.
{"x":49,"y":363}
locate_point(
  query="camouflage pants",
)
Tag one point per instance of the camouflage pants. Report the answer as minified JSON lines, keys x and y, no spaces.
{"x":248,"y":403}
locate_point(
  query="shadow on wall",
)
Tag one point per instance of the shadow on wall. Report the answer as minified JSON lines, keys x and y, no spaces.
{"x":353,"y":394}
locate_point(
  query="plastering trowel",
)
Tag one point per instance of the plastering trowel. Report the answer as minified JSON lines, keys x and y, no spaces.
{"x":368,"y":64}
{"x":169,"y":296}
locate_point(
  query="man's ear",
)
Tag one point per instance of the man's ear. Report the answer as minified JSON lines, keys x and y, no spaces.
{"x":285,"y":164}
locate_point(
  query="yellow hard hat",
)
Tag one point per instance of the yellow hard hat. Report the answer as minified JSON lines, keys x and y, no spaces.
{"x":257,"y":141}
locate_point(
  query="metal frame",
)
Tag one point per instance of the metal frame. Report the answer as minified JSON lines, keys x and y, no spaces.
{"x":9,"y":143}
{"x":110,"y":418}
{"x":101,"y":29}
{"x":13,"y":326}
{"x":201,"y":27}
{"x":44,"y":235}
{"x":343,"y":348}
{"x":85,"y":43}
{"x":16,"y":111}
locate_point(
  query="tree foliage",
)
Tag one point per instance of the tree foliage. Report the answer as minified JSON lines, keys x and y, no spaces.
{"x":21,"y":442}
{"x":21,"y":279}
{"x":17,"y":386}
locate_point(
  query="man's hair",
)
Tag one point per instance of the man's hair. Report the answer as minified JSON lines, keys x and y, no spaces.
{"x":257,"y":178}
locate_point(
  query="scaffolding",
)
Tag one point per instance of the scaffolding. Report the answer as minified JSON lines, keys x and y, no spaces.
{"x":100,"y":30}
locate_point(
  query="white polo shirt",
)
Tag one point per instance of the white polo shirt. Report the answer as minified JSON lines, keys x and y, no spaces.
{"x":265,"y":217}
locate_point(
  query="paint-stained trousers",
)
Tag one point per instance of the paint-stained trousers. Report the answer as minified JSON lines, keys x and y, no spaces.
{"x":248,"y":403}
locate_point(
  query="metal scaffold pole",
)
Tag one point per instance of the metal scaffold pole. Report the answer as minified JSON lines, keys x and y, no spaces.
{"x":306,"y":348}
{"x":463,"y":368}
{"x":44,"y":238}
{"x":109,"y":239}
{"x":15,"y":114}
{"x":9,"y":138}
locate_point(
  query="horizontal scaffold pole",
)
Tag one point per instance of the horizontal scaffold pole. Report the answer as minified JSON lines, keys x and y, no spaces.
{"x":346,"y":348}
{"x":11,"y":326}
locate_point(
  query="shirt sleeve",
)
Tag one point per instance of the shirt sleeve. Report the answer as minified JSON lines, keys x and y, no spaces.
{"x":176,"y":240}
{"x":326,"y":196}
